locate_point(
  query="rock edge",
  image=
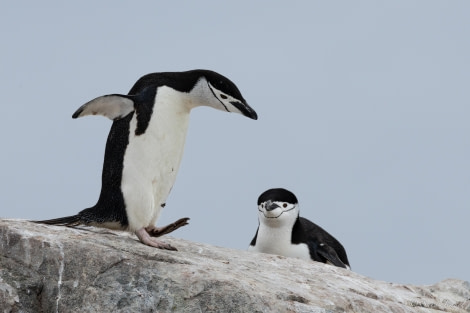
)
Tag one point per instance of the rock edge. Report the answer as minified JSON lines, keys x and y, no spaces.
{"x":60,"y":269}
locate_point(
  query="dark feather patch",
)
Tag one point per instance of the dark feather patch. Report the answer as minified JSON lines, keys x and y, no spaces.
{"x":305,"y":231}
{"x":277,"y":194}
{"x":144,"y":102}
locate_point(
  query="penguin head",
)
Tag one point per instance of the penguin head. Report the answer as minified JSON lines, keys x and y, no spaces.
{"x":278,"y":207}
{"x":219,"y":92}
{"x":199,"y":87}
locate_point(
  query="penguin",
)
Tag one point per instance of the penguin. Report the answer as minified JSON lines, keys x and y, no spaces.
{"x":282,"y":231}
{"x":145,"y":146}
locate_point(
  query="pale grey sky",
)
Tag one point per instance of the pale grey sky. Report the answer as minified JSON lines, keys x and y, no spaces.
{"x":363,"y":113}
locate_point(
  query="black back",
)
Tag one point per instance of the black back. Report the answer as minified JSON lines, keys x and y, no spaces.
{"x":110,"y":206}
{"x":305,"y":231}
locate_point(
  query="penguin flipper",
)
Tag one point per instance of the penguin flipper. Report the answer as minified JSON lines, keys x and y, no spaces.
{"x":64,"y":221}
{"x":330,"y":255}
{"x":113,"y":107}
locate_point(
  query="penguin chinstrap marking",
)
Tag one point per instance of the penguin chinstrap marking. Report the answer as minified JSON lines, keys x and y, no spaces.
{"x":282,"y":231}
{"x":145,"y":146}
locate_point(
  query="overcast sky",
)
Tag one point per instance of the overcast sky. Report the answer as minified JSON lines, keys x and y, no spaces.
{"x":363,"y":113}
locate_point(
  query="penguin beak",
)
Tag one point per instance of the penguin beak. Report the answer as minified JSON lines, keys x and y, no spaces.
{"x":271,"y":206}
{"x":245,"y":109}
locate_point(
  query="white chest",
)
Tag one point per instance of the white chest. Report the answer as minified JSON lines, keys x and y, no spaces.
{"x":278,"y":241}
{"x":152,"y":160}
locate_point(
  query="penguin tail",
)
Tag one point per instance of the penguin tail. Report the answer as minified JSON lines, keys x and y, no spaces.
{"x":73,"y":220}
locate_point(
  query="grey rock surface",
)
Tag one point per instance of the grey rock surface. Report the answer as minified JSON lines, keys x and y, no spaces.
{"x":59,"y":269}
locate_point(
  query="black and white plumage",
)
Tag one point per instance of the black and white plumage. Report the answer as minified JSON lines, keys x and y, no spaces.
{"x":281,"y":231}
{"x":145,"y":146}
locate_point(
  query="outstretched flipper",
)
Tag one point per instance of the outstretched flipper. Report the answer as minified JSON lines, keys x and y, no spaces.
{"x":113,"y":107}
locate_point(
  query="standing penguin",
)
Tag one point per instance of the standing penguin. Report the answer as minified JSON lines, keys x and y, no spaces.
{"x":281,"y":231}
{"x":145,"y":146}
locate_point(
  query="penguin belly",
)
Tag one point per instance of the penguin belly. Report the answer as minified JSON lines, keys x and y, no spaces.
{"x":277,"y":241}
{"x":151,"y":163}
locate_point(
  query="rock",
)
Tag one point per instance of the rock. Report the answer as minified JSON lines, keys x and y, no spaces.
{"x":59,"y":269}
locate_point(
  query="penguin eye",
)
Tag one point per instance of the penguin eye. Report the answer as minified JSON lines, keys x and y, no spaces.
{"x":223,"y":96}
{"x":262,"y":205}
{"x":284,"y":205}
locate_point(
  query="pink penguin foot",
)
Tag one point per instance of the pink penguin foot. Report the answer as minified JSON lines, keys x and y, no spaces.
{"x":145,"y":238}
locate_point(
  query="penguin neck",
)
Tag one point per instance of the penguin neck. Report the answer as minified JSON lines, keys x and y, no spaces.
{"x":274,"y":233}
{"x":170,"y":101}
{"x":170,"y":119}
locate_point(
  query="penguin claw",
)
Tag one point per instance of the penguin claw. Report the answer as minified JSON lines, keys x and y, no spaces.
{"x":144,"y":237}
{"x":160,"y":231}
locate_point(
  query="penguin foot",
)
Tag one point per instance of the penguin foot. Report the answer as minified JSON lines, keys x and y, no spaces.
{"x":160,"y":231}
{"x":145,"y":238}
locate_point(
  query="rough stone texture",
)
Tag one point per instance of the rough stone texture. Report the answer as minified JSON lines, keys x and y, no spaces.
{"x":59,"y":269}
